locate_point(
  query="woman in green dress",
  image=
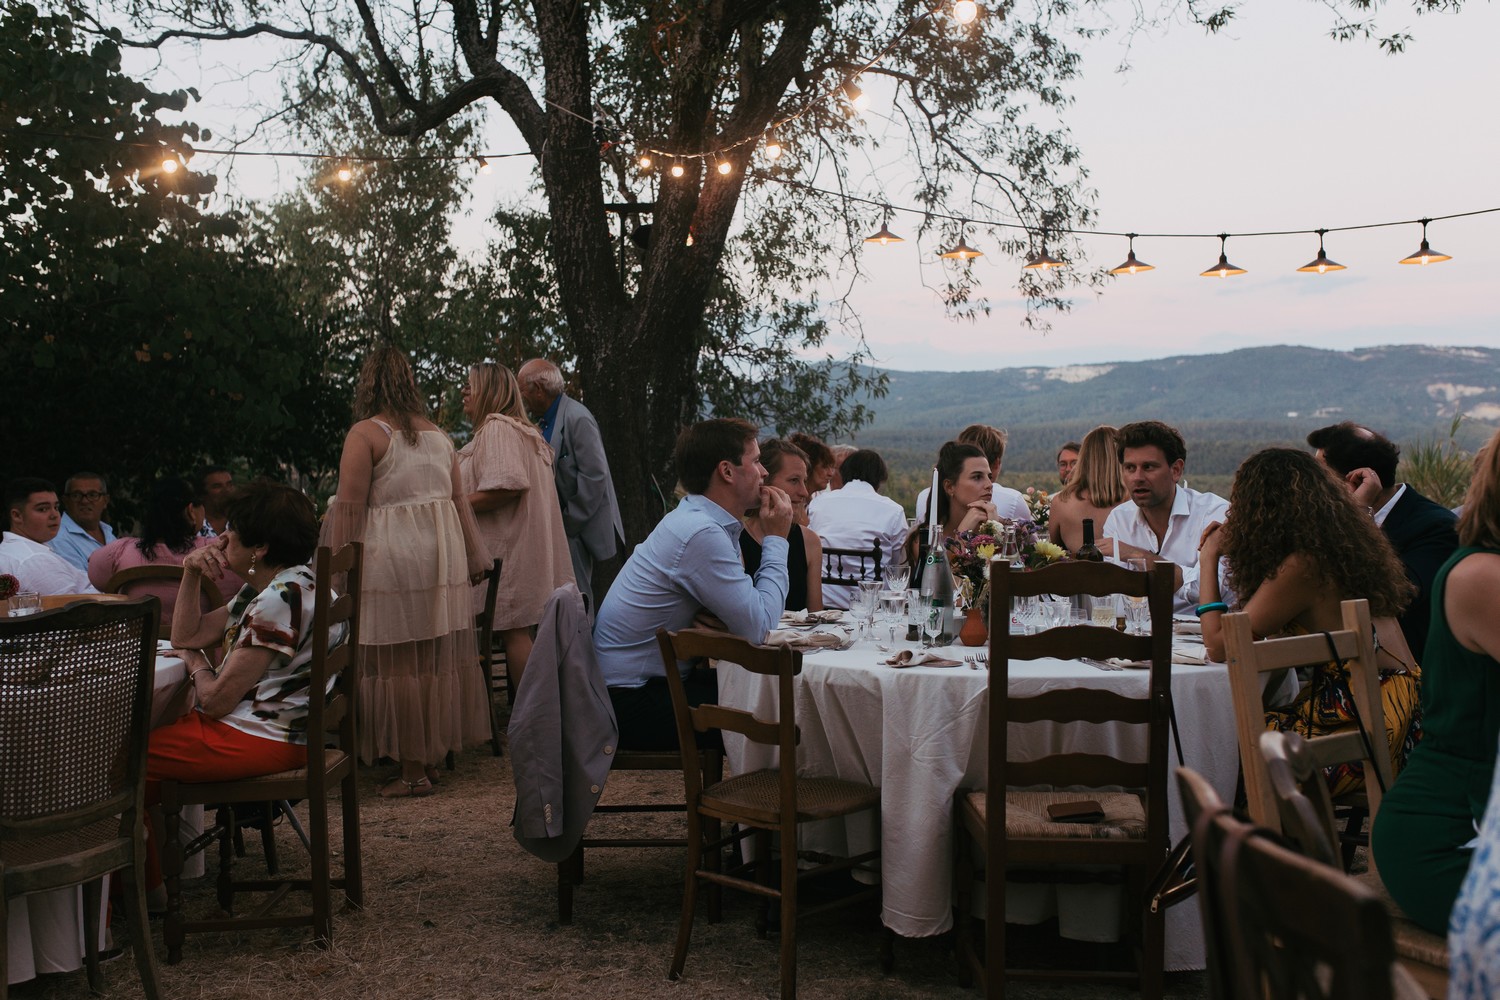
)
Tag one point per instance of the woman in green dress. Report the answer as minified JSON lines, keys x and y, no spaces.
{"x":1423,"y":836}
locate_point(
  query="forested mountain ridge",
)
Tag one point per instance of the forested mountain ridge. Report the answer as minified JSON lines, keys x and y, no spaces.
{"x":1224,"y":404}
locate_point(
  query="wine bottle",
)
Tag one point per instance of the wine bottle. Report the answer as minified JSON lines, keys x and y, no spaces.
{"x":1088,"y":551}
{"x":937,"y":594}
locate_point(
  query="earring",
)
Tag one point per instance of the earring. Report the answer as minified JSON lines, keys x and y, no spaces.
{"x":251,"y":570}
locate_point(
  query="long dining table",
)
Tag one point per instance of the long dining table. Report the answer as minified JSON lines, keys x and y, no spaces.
{"x":919,"y":733}
{"x":44,"y":931}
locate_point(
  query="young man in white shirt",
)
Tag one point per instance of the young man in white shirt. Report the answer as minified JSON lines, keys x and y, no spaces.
{"x":34,"y":519}
{"x":1162,"y":520}
{"x":857,"y":516}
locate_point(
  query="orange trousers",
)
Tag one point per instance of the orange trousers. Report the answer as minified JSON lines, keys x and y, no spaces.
{"x":197,"y":748}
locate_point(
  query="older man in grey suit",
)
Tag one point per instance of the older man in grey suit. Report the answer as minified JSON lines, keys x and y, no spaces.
{"x":591,"y":515}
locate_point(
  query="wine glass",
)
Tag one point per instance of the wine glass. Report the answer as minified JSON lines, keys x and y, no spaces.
{"x":893,"y":604}
{"x":869,"y":600}
{"x":932,"y":623}
{"x":1135,"y":607}
{"x":896,"y":577}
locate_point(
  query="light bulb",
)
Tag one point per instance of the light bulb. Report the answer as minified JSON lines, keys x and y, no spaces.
{"x":724,"y":167}
{"x":169,"y":165}
{"x":484,"y":166}
{"x":345,"y":174}
{"x":965,"y":11}
{"x":677,"y":170}
{"x":773,"y":149}
{"x":644,"y":162}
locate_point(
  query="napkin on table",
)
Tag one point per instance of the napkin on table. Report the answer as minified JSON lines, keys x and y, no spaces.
{"x":812,"y":617}
{"x":804,"y":640}
{"x":1187,"y":655}
{"x":918,"y":658}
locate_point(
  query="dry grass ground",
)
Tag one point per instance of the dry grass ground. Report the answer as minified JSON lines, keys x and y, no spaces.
{"x":455,"y":909}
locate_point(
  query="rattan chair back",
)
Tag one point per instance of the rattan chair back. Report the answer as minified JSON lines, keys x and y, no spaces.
{"x":75,"y":708}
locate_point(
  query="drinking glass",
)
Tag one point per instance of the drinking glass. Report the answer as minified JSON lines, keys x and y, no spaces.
{"x":1056,"y":612}
{"x":932,"y":624}
{"x":24,"y":602}
{"x":1103,"y":610}
{"x":896,"y":577}
{"x":1135,"y":607}
{"x":916,"y":612}
{"x":893,"y":604}
{"x":869,"y":594}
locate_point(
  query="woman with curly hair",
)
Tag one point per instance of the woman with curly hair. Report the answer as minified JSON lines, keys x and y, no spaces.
{"x":400,"y":492}
{"x":1424,"y":834}
{"x":1296,"y":545}
{"x":1095,"y":488}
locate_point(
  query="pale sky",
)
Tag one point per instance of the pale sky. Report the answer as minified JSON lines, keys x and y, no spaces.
{"x":1269,"y":125}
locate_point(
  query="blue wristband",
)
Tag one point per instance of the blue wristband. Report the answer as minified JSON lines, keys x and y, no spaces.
{"x":1204,"y":609}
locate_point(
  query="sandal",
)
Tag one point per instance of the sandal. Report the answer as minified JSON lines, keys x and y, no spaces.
{"x":433,"y":774}
{"x":399,"y":788}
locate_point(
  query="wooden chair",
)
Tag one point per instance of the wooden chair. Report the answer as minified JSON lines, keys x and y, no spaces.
{"x":51,"y":602}
{"x":327,"y":769}
{"x":484,"y":628}
{"x":1019,"y":833}
{"x":126,"y":580}
{"x":1305,"y":810}
{"x":1249,"y":664}
{"x":75,"y":709}
{"x":1280,"y":924}
{"x":847,"y":567}
{"x":768,"y":801}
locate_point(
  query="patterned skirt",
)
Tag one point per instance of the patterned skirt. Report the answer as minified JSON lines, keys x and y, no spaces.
{"x":1326,"y":707}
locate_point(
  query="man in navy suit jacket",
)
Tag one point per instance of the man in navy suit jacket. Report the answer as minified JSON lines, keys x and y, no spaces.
{"x":1422,"y":532}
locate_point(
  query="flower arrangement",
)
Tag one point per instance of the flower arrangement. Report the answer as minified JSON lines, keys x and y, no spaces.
{"x":1039,"y":502}
{"x":970,"y":552}
{"x":8,"y":586}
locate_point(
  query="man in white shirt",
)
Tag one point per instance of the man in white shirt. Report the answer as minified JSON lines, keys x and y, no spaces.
{"x":1162,"y":520}
{"x":83,"y":531}
{"x":856,"y":516}
{"x":1010,"y":505}
{"x":34,"y":520}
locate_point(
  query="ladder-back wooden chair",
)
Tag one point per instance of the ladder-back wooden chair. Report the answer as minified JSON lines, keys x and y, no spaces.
{"x":1013,"y":829}
{"x":768,"y":801}
{"x":846,"y":567}
{"x":75,"y":710}
{"x":334,"y":683}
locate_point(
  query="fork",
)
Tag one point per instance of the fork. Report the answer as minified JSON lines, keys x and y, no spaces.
{"x":970,"y":660}
{"x":983,"y":659}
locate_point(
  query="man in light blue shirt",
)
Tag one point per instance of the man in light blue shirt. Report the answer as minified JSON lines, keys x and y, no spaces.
{"x":691,"y":564}
{"x":83,"y":531}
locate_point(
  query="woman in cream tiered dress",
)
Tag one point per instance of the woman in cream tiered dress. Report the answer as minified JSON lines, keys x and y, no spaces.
{"x":420,"y":688}
{"x":507,"y":475}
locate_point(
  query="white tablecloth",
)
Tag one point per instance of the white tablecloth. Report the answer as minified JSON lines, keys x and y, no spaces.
{"x":920,"y":733}
{"x":45,"y":929}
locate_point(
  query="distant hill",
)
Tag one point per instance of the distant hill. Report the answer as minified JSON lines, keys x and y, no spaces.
{"x":1226,"y":405}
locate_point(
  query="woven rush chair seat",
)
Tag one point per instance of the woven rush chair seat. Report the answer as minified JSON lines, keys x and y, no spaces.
{"x":1026,"y":815}
{"x":757,"y":796}
{"x":75,"y":708}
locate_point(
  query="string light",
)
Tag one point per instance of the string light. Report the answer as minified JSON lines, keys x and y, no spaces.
{"x":857,"y":98}
{"x":962,"y":251}
{"x":885,"y":237}
{"x":644,"y":162}
{"x":725,"y":167}
{"x":1321,"y":264}
{"x":344,"y":172}
{"x":1043,"y":261}
{"x":965,"y":11}
{"x":678,"y":170}
{"x":169,"y":165}
{"x":484,"y":166}
{"x":1425,"y":254}
{"x":1132,"y":265}
{"x":1223,"y":269}
{"x":773,"y":146}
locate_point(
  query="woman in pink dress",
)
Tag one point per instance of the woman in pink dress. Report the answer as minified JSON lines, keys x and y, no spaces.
{"x":168,"y":533}
{"x":420,"y":691}
{"x":507,"y":475}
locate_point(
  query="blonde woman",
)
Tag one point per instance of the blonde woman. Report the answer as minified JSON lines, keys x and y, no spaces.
{"x":1095,"y":488}
{"x":420,"y":690}
{"x":507,"y":476}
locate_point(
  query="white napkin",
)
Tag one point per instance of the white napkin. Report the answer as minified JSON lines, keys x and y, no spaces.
{"x":917,"y":658}
{"x":1183,"y":627}
{"x":806,"y":617}
{"x":1193,"y":655}
{"x":804,"y":640}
